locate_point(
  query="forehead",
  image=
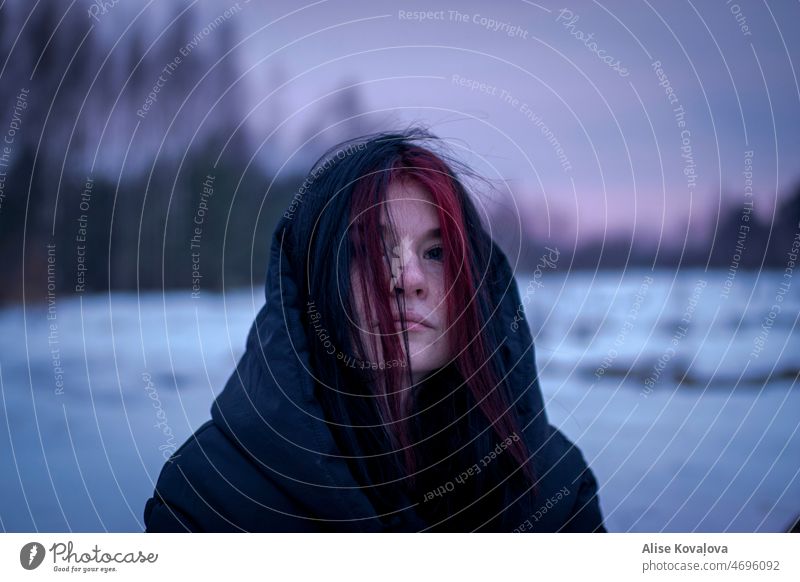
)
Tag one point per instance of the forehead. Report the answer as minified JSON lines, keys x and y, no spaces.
{"x":410,"y":206}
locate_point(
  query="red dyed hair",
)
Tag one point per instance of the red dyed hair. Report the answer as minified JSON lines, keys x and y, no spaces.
{"x":466,"y":334}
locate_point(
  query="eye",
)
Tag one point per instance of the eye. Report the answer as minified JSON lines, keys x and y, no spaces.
{"x":437,"y":252}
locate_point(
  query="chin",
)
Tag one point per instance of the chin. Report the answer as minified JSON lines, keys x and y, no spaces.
{"x":426,"y":358}
{"x":423,"y":366}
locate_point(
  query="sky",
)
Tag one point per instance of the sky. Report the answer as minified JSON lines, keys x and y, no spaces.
{"x":572,"y":107}
{"x":506,"y":80}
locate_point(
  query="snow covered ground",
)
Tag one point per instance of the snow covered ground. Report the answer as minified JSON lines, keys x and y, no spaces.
{"x":679,"y":389}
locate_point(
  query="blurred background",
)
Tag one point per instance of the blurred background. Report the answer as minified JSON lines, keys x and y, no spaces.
{"x":641,"y":173}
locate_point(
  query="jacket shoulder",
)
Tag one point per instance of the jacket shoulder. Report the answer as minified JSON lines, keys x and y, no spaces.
{"x":574,"y":505}
{"x":177,"y":505}
{"x":209,"y":484}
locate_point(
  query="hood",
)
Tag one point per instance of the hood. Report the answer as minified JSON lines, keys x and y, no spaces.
{"x":268,"y":407}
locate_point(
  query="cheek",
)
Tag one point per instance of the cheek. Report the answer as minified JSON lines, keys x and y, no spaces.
{"x":438,"y":288}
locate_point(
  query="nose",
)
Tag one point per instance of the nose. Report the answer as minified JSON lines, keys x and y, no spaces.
{"x":410,"y":278}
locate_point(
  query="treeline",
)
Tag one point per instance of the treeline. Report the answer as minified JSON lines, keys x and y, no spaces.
{"x":151,"y":230}
{"x":104,"y":179}
{"x":738,"y":240}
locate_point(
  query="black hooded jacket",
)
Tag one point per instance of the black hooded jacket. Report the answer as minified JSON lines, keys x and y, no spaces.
{"x":267,"y":461}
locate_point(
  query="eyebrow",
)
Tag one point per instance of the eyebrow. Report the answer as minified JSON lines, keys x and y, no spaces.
{"x":430,"y":233}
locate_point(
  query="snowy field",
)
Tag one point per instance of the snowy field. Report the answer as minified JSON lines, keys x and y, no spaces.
{"x":680,"y":390}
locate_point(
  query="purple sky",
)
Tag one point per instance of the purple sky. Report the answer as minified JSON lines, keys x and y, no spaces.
{"x":730,"y":66}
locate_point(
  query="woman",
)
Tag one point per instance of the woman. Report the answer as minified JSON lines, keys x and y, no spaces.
{"x":387,"y":384}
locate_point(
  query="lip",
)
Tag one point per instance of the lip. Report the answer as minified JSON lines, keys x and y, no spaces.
{"x":414,"y":321}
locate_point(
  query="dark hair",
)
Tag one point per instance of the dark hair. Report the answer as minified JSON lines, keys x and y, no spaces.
{"x":414,"y":444}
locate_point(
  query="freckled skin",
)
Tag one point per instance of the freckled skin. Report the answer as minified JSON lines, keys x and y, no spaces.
{"x":418,"y":270}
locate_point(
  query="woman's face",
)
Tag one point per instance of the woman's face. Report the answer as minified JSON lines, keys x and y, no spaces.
{"x":416,"y":268}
